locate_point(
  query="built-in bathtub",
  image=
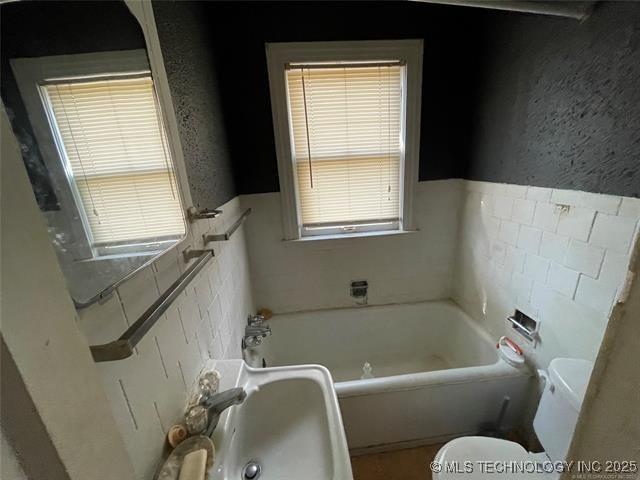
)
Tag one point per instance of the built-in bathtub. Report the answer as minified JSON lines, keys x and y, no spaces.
{"x":437,"y":374}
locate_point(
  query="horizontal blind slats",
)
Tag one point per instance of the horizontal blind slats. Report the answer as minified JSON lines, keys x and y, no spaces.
{"x":353,"y":118}
{"x":116,"y":148}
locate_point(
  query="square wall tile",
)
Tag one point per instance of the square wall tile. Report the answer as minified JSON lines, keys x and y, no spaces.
{"x":563,"y":280}
{"x":529,"y":239}
{"x":630,"y":207}
{"x":595,"y":294}
{"x":602,"y":203}
{"x":546,"y":216}
{"x":509,"y":232}
{"x":539,"y":194}
{"x":576,"y":222}
{"x":613,"y":232}
{"x":584,"y":258}
{"x":514,"y":259}
{"x":554,"y":247}
{"x":523,"y":211}
{"x":536,"y":267}
{"x":503,"y":206}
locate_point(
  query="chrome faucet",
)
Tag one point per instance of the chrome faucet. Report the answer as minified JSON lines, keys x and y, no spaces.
{"x":261,"y":331}
{"x":255,"y":331}
{"x":217,"y":403}
{"x":255,"y":320}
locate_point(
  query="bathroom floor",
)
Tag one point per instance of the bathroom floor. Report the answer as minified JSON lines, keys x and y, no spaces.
{"x":408,"y":464}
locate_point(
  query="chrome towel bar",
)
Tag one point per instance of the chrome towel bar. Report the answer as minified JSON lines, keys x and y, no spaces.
{"x":124,"y":346}
{"x":227,"y":235}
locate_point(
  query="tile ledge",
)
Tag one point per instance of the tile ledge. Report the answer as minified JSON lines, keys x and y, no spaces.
{"x":343,"y":236}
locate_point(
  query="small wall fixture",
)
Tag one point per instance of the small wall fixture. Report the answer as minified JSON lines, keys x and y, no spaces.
{"x":359,"y":291}
{"x":526,"y":326}
{"x":227,"y":235}
{"x":194,"y":214}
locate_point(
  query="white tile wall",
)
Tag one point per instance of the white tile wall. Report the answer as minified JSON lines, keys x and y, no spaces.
{"x":565,"y":260}
{"x":293,"y":276}
{"x":560,"y":256}
{"x":148,"y":391}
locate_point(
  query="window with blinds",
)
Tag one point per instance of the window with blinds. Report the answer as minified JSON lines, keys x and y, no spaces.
{"x":346,"y":126}
{"x":112,"y":140}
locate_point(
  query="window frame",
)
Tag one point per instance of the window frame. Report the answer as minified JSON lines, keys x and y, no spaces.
{"x":31,"y":74}
{"x":281,"y":54}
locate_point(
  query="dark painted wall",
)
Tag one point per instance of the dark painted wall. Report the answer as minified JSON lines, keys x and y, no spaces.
{"x":36,"y":29}
{"x":191,"y":61}
{"x":240,"y":31}
{"x":559,"y":103}
{"x":507,"y":97}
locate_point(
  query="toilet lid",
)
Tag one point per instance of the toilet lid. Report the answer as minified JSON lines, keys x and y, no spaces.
{"x":479,"y":458}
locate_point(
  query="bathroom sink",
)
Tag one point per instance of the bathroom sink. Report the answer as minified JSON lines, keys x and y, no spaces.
{"x":288,"y":427}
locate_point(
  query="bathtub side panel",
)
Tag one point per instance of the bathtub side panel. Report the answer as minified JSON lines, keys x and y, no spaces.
{"x":431,"y":414}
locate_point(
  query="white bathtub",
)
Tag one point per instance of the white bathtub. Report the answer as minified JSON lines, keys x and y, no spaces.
{"x":437,"y":373}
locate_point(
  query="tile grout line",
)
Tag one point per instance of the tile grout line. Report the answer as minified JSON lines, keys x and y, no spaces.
{"x":126,"y":399}
{"x":184,"y":381}
{"x":164,"y":367}
{"x":155,"y":406}
{"x":184,"y":331}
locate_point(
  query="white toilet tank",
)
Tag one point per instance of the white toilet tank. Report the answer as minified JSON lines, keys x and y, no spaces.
{"x":560,"y":404}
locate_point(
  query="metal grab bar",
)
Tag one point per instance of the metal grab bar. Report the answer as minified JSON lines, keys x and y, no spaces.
{"x":123,"y":347}
{"x":227,"y":235}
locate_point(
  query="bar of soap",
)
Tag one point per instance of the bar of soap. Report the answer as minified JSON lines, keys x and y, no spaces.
{"x":194,"y":465}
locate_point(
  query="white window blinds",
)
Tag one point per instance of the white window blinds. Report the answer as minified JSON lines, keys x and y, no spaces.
{"x":346,"y":125}
{"x":116,"y":150}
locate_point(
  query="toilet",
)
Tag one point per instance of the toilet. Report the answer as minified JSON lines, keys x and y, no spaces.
{"x":469,"y":458}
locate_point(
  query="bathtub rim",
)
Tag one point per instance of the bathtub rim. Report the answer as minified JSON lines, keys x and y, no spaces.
{"x":422,"y":380}
{"x":445,"y":301}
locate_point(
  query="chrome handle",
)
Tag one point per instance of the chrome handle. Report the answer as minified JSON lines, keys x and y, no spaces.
{"x":194,"y":214}
{"x":255,"y":320}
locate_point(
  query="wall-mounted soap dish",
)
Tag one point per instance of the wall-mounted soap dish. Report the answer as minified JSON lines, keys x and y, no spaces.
{"x":526,"y":326}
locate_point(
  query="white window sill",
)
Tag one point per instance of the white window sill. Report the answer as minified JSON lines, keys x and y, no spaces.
{"x":342,"y":236}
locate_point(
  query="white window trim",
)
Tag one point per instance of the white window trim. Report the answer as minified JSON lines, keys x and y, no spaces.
{"x":29,"y":74}
{"x":279,"y":54}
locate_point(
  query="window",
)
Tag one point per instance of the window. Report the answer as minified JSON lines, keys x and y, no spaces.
{"x":110,"y":134}
{"x":99,"y":127}
{"x":346,"y":134}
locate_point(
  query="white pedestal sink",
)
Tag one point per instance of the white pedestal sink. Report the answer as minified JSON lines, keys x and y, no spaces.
{"x":289,"y":427}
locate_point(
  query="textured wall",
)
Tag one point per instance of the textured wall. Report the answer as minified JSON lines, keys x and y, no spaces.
{"x":190,"y":61}
{"x":36,"y":29}
{"x":241,"y":30}
{"x":559,"y":104}
{"x":507,"y":97}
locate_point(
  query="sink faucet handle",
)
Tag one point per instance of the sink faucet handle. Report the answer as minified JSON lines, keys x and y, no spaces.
{"x":255,"y":320}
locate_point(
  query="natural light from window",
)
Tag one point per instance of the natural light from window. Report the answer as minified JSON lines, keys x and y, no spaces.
{"x":111,"y":138}
{"x":346,"y":126}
